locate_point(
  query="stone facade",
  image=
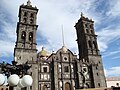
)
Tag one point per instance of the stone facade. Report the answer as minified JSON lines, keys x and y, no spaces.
{"x":88,"y":50}
{"x":61,"y":70}
{"x":25,"y":48}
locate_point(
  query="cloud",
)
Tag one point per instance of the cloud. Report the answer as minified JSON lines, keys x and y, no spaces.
{"x":52,"y":14}
{"x":113,"y":71}
{"x":50,"y":18}
{"x":7,"y":35}
{"x":114,"y":9}
{"x":106,"y":36}
{"x":116,"y":57}
{"x":6,"y":48}
{"x":112,"y":53}
{"x":56,"y":13}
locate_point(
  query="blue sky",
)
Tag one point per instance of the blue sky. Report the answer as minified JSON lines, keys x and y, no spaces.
{"x":54,"y":13}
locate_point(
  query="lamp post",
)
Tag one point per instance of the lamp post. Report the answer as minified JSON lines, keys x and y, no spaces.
{"x":16,"y":74}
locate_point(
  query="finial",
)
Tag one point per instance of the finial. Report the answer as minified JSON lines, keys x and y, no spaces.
{"x":53,"y":51}
{"x":43,"y":48}
{"x":28,"y":3}
{"x":63,"y":36}
{"x":81,"y":14}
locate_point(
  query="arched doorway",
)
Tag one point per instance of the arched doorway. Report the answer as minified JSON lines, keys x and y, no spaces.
{"x":67,"y":86}
{"x":44,"y":87}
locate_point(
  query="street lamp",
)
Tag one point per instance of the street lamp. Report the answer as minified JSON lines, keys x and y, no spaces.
{"x":16,"y":75}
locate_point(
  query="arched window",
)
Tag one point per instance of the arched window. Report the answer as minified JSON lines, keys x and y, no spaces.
{"x":87,"y":85}
{"x":87,"y":30}
{"x":45,"y":69}
{"x":91,"y":31}
{"x":23,"y":35}
{"x":91,"y":26}
{"x":25,"y":13}
{"x":67,"y":86}
{"x":31,"y":21}
{"x":95,"y":45}
{"x":117,"y":84}
{"x":99,"y":84}
{"x":24,"y":20}
{"x":86,"y":25}
{"x":89,"y":43}
{"x":44,"y":87}
{"x":31,"y":15}
{"x":66,"y":69}
{"x":30,"y":36}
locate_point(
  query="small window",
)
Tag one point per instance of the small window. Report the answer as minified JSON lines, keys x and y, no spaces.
{"x":30,"y":36}
{"x":30,"y":87}
{"x":31,"y":21}
{"x":87,"y":85}
{"x":99,"y":84}
{"x":99,"y":62}
{"x":91,"y":26}
{"x":65,"y":58}
{"x":96,"y":67}
{"x":84,"y":69}
{"x":25,"y":13}
{"x":91,"y":31}
{"x":90,"y":45}
{"x":117,"y":84}
{"x":23,"y":35}
{"x":66,"y":69}
{"x":94,"y":44}
{"x":86,"y":25}
{"x":44,"y":69}
{"x":97,"y":74}
{"x":44,"y":87}
{"x":31,"y":15}
{"x":87,"y":30}
{"x":19,"y":57}
{"x":24,"y":20}
{"x":22,"y":46}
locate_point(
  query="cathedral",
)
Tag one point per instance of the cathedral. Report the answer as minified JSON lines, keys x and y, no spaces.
{"x":61,"y":70}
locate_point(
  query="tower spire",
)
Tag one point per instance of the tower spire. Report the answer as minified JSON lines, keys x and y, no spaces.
{"x":81,"y":14}
{"x":28,"y":3}
{"x":63,"y":37}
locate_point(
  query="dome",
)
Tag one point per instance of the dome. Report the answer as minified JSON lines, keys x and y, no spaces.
{"x":64,"y":49}
{"x":43,"y":53}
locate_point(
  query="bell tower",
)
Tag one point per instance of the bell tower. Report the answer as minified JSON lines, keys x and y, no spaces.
{"x":25,"y":48}
{"x":88,"y":50}
{"x":86,"y":38}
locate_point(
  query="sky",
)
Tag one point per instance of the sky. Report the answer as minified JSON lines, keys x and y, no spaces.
{"x":53,"y":14}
